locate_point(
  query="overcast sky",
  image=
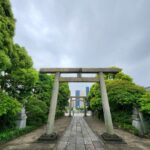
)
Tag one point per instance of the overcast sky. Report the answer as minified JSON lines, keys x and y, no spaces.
{"x":86,"y":33}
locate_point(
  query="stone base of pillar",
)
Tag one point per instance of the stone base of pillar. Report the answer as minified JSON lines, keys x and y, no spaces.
{"x":48,"y":138}
{"x":112,"y":138}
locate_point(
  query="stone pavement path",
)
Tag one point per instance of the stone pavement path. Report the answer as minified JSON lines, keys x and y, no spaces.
{"x":79,"y":136}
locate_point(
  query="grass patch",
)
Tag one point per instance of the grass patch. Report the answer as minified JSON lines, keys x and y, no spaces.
{"x":9,"y":134}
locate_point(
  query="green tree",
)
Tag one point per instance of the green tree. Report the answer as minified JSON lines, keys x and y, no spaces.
{"x":144,"y":102}
{"x":42,"y":95}
{"x":20,"y":58}
{"x":38,"y":104}
{"x":63,"y":96}
{"x":43,"y":88}
{"x":8,"y":104}
{"x":5,"y":62}
{"x":17,"y":77}
{"x":94,"y":97}
{"x":121,"y":91}
{"x":23,"y":81}
{"x":37,"y":111}
{"x":122,"y":76}
{"x":9,"y":107}
{"x":123,"y":94}
{"x":7,"y":26}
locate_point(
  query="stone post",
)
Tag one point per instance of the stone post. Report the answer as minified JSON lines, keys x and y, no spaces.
{"x":70,"y":107}
{"x":138,"y":121}
{"x":105,"y":104}
{"x":53,"y":104}
{"x":21,"y":119}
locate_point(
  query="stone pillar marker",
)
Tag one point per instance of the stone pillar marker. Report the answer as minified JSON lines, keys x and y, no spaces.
{"x":53,"y":104}
{"x":21,"y":119}
{"x":105,"y":104}
{"x":70,"y":107}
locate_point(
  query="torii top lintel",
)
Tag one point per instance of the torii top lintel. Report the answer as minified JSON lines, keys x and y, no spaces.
{"x":79,"y":70}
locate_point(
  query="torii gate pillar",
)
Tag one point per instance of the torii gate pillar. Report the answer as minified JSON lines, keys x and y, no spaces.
{"x":85,"y":111}
{"x":105,"y":104}
{"x":70,"y":107}
{"x":53,"y":104}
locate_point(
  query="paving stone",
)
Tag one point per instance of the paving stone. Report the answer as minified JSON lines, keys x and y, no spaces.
{"x":97,"y":144}
{"x":87,"y":140}
{"x":62,"y":144}
{"x":71,"y":146}
{"x":79,"y":140}
{"x":89,"y":147}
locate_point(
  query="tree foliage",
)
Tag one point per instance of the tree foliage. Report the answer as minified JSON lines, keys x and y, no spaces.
{"x":5,"y":62}
{"x":8,"y":105}
{"x":20,"y":58}
{"x":63,"y":96}
{"x":7,"y":26}
{"x":43,"y":88}
{"x":94,"y":97}
{"x":23,"y":81}
{"x":17,"y":76}
{"x":38,"y":105}
{"x":122,"y":76}
{"x":36,"y":111}
{"x":144,"y":102}
{"x":5,"y":9}
{"x":123,"y":94}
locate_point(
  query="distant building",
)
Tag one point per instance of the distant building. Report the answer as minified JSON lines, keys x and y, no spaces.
{"x":78,"y":103}
{"x":147,"y":88}
{"x":77,"y":93}
{"x":82,"y":100}
{"x":87,"y":90}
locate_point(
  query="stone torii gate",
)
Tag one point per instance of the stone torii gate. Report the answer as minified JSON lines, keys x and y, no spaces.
{"x":79,"y":71}
{"x":79,"y":97}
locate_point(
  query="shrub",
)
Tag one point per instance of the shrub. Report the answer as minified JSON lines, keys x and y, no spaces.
{"x":9,"y":107}
{"x":144,"y":103}
{"x":36,"y":111}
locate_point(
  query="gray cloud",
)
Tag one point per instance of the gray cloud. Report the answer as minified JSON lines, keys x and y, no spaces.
{"x":86,"y":33}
